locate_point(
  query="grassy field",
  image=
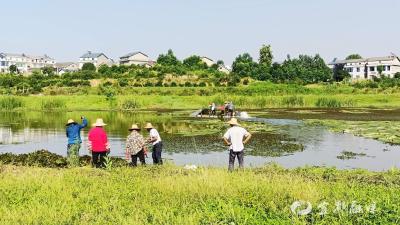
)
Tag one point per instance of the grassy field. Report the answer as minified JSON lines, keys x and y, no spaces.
{"x":172,"y":195}
{"x":134,"y":102}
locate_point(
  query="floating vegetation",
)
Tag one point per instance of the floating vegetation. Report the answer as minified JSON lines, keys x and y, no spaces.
{"x":44,"y":158}
{"x":349,"y":155}
{"x":385,"y":131}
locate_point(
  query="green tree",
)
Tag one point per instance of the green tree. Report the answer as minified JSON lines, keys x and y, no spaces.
{"x":194,"y":63}
{"x":266,"y":56}
{"x":168,"y":59}
{"x":13,"y":69}
{"x":88,"y":67}
{"x":104,"y":69}
{"x":245,"y":66}
{"x":354,"y":56}
{"x":49,"y":71}
{"x":339,"y":73}
{"x":380,"y":69}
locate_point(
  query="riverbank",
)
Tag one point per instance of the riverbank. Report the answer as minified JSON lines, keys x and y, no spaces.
{"x":174,"y":195}
{"x":153,"y":102}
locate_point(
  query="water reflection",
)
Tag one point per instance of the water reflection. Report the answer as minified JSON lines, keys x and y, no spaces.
{"x":198,"y":141}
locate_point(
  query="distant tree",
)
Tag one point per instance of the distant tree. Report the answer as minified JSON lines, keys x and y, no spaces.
{"x":194,"y":63}
{"x":13,"y":69}
{"x":245,"y":66}
{"x":265,"y":56}
{"x":168,"y":59}
{"x":104,"y":69}
{"x":339,"y":73}
{"x":88,"y":67}
{"x":380,"y":69}
{"x":49,"y":71}
{"x":353,"y":56}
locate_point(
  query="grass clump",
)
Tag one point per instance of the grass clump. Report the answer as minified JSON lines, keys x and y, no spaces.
{"x":53,"y":104}
{"x":9,"y":103}
{"x":129,"y":104}
{"x":293,"y":101}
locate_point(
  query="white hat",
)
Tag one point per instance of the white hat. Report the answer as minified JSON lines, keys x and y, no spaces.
{"x":99,"y":123}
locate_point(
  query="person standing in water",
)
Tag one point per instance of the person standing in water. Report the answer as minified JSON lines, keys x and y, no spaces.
{"x":155,"y":140}
{"x":73,"y":132}
{"x":236,"y":137}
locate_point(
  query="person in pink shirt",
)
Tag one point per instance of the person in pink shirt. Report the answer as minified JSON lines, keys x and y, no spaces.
{"x":98,"y":144}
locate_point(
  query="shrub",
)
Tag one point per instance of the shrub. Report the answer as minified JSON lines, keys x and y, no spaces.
{"x":130,"y":104}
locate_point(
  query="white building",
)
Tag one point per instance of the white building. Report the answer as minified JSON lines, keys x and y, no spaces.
{"x":66,"y":67}
{"x":136,"y":58}
{"x":369,"y":68}
{"x":209,"y":62}
{"x":96,"y":58}
{"x":24,"y":63}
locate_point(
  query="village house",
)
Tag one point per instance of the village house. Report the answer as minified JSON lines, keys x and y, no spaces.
{"x":96,"y":58}
{"x":209,"y":62}
{"x":24,"y":63}
{"x":136,"y":58}
{"x":369,"y":68}
{"x":65,"y":67}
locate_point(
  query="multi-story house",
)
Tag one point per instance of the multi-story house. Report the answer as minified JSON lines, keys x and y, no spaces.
{"x":209,"y":62}
{"x":96,"y":58}
{"x":24,"y":63}
{"x":369,"y":67}
{"x":136,"y":58}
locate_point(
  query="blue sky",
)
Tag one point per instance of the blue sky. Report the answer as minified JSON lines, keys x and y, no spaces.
{"x":220,"y":29}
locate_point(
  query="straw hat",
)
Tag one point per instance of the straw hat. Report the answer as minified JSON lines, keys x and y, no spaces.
{"x":99,"y":123}
{"x":233,"y":121}
{"x":69,"y":122}
{"x":148,"y":126}
{"x":134,"y":127}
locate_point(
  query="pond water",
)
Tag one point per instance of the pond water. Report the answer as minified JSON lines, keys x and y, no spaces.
{"x":279,"y":136}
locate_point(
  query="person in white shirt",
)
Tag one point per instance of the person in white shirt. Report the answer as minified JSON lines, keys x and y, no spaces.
{"x":155,"y":140}
{"x":236,"y":137}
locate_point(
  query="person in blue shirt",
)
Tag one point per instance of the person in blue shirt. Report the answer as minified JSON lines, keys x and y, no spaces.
{"x":73,"y":132}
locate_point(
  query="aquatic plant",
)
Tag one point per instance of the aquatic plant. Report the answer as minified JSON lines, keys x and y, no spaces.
{"x":10,"y":103}
{"x":349,"y":155}
{"x":293,"y":101}
{"x":130,"y":104}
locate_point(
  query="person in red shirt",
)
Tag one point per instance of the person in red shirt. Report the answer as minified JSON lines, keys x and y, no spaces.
{"x":98,"y":144}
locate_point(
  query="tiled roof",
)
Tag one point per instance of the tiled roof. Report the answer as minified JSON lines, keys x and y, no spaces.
{"x":132,"y":54}
{"x":373,"y":59}
{"x":90,"y":54}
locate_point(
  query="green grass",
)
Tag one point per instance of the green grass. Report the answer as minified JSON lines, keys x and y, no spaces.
{"x":172,"y":195}
{"x":9,"y":103}
{"x":130,"y":102}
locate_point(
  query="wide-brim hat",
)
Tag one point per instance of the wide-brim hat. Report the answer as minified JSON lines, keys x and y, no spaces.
{"x":99,"y":123}
{"x":134,"y":127}
{"x":70,"y":121}
{"x":148,"y":126}
{"x":233,"y":121}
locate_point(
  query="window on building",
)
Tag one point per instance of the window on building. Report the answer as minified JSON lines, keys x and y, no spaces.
{"x":372,"y":68}
{"x":388,"y":68}
{"x":358,"y":69}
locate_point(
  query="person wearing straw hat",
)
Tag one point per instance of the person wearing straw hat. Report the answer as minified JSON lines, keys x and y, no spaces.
{"x":98,"y":143}
{"x":236,"y":137}
{"x":155,"y":140}
{"x":135,"y":146}
{"x":73,"y":132}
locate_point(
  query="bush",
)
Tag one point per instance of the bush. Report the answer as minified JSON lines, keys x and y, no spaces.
{"x":130,"y":104}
